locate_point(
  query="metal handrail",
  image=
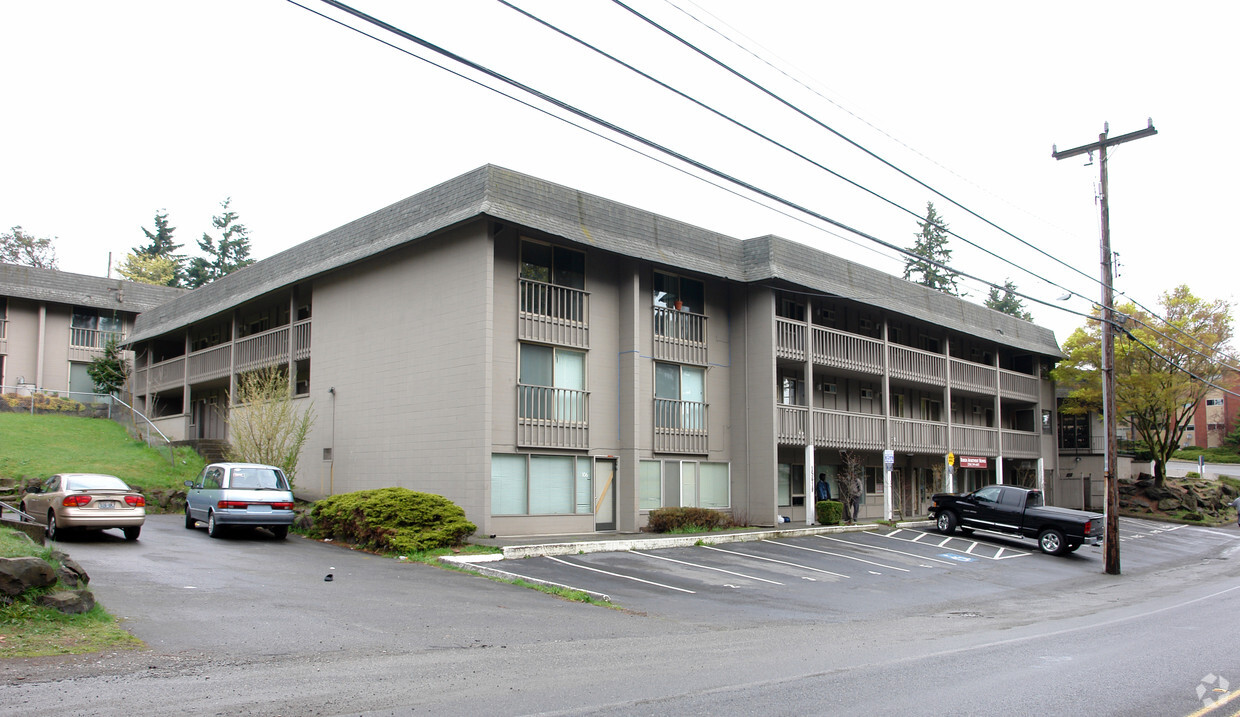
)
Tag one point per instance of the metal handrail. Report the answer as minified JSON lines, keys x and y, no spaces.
{"x":171,"y":454}
{"x":26,"y":517}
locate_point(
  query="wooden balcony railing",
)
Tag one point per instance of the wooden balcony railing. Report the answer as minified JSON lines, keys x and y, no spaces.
{"x":680,"y":426}
{"x":909,"y":436}
{"x":261,"y":350}
{"x":838,"y":429}
{"x":971,"y":440}
{"x":790,"y":339}
{"x":553,"y":417}
{"x":166,"y":374}
{"x":553,"y":314}
{"x":679,"y":336}
{"x":840,"y":349}
{"x":210,"y":363}
{"x":918,"y":366}
{"x":1019,"y":444}
{"x":1020,"y":386}
{"x":973,"y":377}
{"x":91,"y":338}
{"x":301,"y":340}
{"x":791,"y":424}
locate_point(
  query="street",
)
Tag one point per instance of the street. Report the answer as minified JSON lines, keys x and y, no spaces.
{"x":248,"y":625}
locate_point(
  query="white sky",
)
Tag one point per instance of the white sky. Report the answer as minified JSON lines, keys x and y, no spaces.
{"x":117,"y":110}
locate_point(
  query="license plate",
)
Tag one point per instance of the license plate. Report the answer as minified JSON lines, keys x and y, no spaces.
{"x":259,"y":508}
{"x":105,"y":504}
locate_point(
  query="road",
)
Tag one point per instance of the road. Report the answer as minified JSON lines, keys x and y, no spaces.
{"x":249,"y":626}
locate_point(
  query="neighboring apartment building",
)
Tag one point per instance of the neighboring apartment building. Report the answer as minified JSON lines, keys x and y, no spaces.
{"x":1081,"y":480}
{"x":1216,"y":415}
{"x":54,"y":323}
{"x":555,"y":362}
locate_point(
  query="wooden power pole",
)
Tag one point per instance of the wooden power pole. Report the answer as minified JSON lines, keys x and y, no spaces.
{"x":1110,"y":555}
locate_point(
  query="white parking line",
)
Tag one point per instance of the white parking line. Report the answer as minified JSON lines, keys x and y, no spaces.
{"x":889,"y":550}
{"x":839,"y":555}
{"x":773,"y":560}
{"x":618,"y":575}
{"x":973,"y":544}
{"x":704,"y":567}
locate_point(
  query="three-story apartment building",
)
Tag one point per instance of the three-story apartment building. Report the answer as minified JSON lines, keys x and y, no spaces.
{"x":555,"y":362}
{"x":54,"y":323}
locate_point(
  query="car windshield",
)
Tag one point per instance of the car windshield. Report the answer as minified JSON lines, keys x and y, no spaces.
{"x":257,"y":479}
{"x":95,"y":483}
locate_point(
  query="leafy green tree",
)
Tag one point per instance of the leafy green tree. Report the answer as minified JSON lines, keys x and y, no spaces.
{"x":931,"y":247}
{"x":265,"y":425}
{"x":230,"y":253}
{"x":1007,"y":301}
{"x":109,"y":371}
{"x":18,"y":247}
{"x":1154,"y":395}
{"x":161,"y":246}
{"x":144,"y":269}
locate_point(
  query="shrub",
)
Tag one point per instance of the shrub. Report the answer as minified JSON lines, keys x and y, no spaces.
{"x":395,"y":520}
{"x":667,"y":520}
{"x":829,"y":512}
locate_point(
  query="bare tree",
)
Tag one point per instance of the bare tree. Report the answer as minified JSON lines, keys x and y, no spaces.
{"x":264,"y":425}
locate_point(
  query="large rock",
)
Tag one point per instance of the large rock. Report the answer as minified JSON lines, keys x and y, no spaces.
{"x":17,"y":575}
{"x":70,"y":572}
{"x":70,"y":602}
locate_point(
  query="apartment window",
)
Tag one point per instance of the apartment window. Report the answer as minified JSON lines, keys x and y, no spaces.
{"x":670,"y":288}
{"x":930,"y":343}
{"x":791,"y":309}
{"x":897,"y":405}
{"x":553,"y":265}
{"x":649,"y":485}
{"x":1214,"y":401}
{"x":541,"y":485}
{"x":873,"y":480}
{"x":931,"y":410}
{"x":679,"y":393}
{"x":91,"y":329}
{"x":705,"y":485}
{"x":792,"y":391}
{"x":1073,"y":431}
{"x":791,"y":485}
{"x":552,"y":383}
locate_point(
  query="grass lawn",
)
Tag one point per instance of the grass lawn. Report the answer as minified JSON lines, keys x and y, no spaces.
{"x":41,"y":445}
{"x":28,"y":630}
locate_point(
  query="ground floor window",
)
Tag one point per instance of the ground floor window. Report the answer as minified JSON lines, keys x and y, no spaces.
{"x":705,"y":485}
{"x":524,"y":484}
{"x":650,"y":485}
{"x":791,"y":484}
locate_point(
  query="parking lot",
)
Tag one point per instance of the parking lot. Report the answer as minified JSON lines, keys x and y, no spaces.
{"x":834,"y":576}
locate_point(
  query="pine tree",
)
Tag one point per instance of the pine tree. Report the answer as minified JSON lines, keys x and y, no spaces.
{"x":931,"y":247}
{"x":1007,"y":301}
{"x":229,"y":254}
{"x":163,"y":247}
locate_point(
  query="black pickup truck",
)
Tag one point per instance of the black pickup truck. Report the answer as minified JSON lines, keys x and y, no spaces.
{"x":1012,"y":509}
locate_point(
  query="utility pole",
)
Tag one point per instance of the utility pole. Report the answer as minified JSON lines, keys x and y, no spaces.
{"x":1110,"y":555}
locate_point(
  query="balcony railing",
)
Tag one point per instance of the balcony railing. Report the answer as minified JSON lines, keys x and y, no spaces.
{"x":838,"y":429}
{"x":1090,"y":445}
{"x":974,"y":377}
{"x":790,"y":341}
{"x":840,"y":349}
{"x":211,"y":363}
{"x":553,"y":417}
{"x":680,"y":426}
{"x":1019,"y":444}
{"x":679,"y":336}
{"x":91,"y":338}
{"x":260,"y":350}
{"x":970,"y":440}
{"x":1018,"y":385}
{"x":301,"y":340}
{"x":554,"y":314}
{"x":166,"y":374}
{"x":916,"y":365}
{"x":910,"y":436}
{"x":790,"y":424}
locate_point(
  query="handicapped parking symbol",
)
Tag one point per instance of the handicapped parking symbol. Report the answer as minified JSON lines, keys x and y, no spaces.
{"x":957,"y":558}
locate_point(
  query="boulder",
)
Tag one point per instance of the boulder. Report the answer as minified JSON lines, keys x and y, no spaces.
{"x":70,"y":602}
{"x":1168,"y":504}
{"x":70,"y":572}
{"x":17,"y":575}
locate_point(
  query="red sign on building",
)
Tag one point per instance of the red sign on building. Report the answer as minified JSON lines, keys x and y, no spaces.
{"x":972,"y":461}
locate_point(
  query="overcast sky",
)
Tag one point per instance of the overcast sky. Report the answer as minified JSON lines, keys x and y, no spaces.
{"x":118,"y":110}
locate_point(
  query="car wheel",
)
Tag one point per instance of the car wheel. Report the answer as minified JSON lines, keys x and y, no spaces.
{"x":280,"y":531}
{"x":190,"y":523}
{"x":52,"y":531}
{"x":213,"y":529}
{"x":946,"y":522}
{"x":1051,"y":542}
{"x":132,"y":533}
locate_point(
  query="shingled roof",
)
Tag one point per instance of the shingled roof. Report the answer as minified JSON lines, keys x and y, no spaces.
{"x":597,"y":222}
{"x":62,"y":287}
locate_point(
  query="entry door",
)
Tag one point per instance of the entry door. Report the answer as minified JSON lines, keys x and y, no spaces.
{"x":604,"y":494}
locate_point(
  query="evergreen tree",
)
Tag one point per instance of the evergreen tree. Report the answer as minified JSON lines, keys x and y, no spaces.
{"x":162,"y":247}
{"x":1007,"y":301}
{"x":230,"y":253}
{"x":109,"y":371}
{"x":931,"y":247}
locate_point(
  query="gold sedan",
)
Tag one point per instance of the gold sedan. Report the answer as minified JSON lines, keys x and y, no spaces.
{"x":90,"y":501}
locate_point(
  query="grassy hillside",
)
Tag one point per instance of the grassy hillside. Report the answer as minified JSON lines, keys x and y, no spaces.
{"x":38,"y":446}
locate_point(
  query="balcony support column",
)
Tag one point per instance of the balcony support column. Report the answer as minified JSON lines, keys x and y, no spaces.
{"x":811,"y":470}
{"x":999,"y":419}
{"x":949,"y":471}
{"x":888,"y":508}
